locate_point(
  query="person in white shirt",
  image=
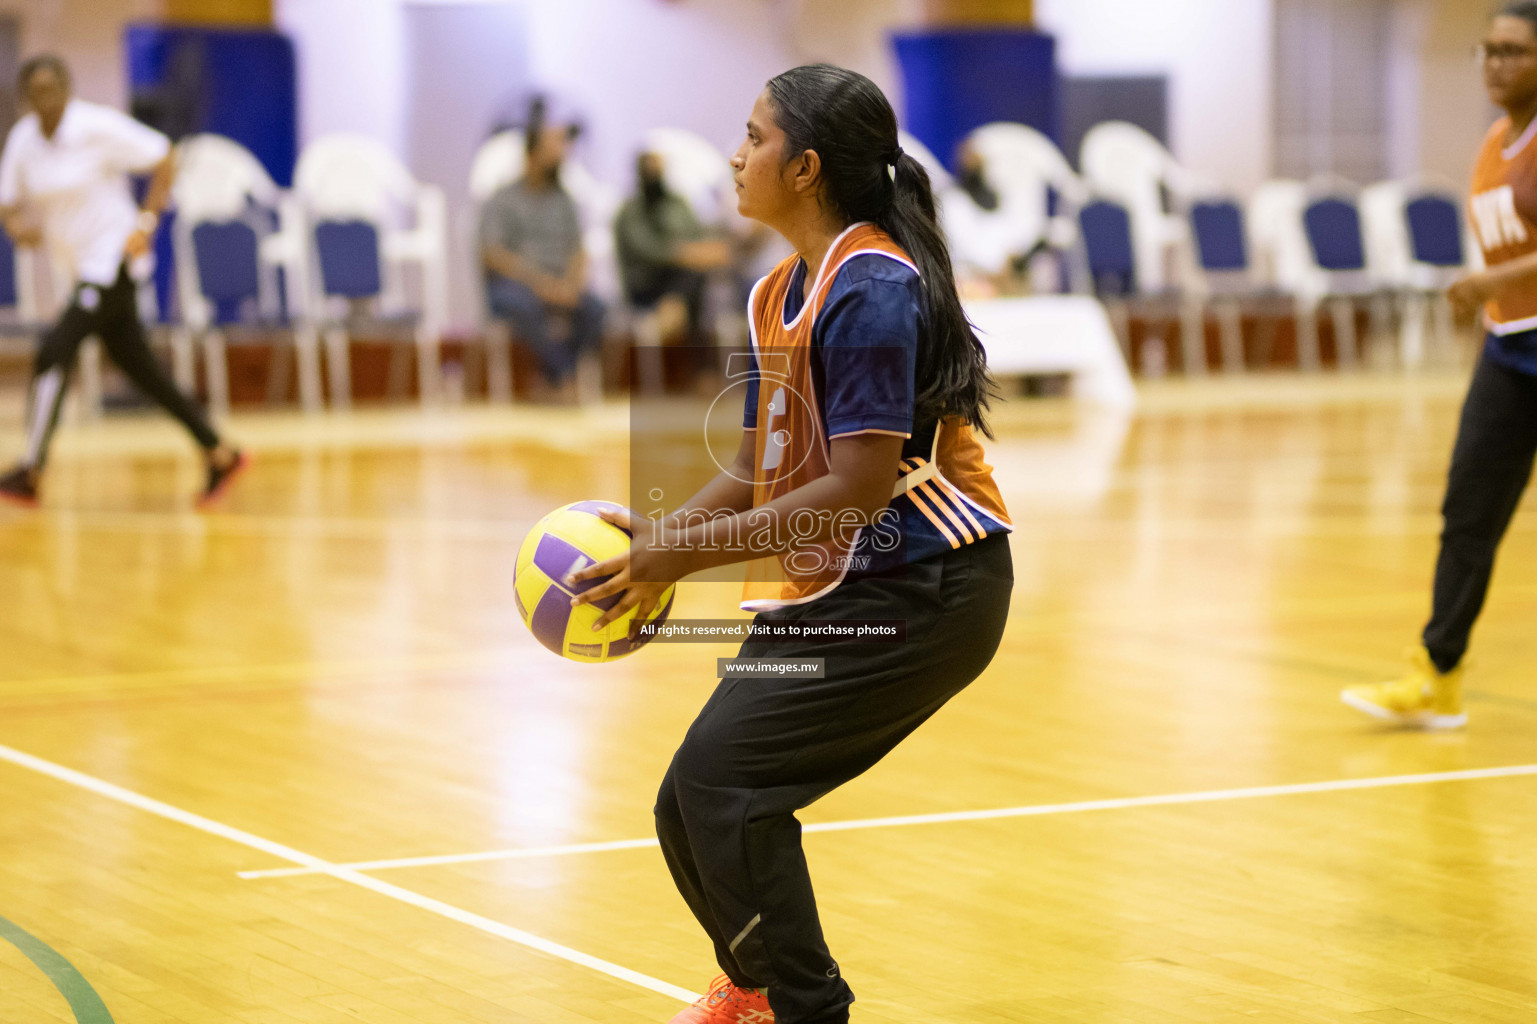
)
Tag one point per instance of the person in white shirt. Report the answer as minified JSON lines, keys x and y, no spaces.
{"x":64,"y":184}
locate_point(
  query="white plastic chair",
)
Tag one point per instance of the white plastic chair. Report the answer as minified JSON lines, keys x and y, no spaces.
{"x":1278,"y":215}
{"x":1418,"y":279}
{"x":1025,"y":167}
{"x":1125,"y":163}
{"x":346,"y":179}
{"x":219,"y":183}
{"x":499,"y":162}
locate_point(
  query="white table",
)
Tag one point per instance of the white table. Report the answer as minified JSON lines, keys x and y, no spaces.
{"x":1068,"y":334}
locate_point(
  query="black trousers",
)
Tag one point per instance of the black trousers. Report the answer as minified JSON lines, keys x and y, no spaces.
{"x":680,"y":281}
{"x":1491,"y":464}
{"x":764,"y":748}
{"x":112,"y":315}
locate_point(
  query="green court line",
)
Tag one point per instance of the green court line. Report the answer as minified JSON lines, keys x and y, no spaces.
{"x":82,"y":998}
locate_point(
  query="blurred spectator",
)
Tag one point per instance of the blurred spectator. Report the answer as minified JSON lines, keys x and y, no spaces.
{"x":664,"y":252}
{"x":536,"y":269}
{"x":989,"y":242}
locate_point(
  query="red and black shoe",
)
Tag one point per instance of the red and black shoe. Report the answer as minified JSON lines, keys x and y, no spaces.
{"x":726,"y":1003}
{"x":19,"y":487}
{"x":219,"y":478}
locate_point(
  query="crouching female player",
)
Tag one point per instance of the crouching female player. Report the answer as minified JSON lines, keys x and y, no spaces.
{"x":859,"y":492}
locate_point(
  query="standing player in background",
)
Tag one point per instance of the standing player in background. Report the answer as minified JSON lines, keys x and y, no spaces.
{"x":64,"y":182}
{"x":1497,"y":438}
{"x":860,"y":430}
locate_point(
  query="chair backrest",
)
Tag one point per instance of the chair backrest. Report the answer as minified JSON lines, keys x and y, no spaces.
{"x":228,"y":261}
{"x":1020,"y":159}
{"x":1036,"y":186}
{"x":1221,"y":244}
{"x":1435,"y":230}
{"x":218,"y":178}
{"x":1123,"y":162}
{"x":226,"y":205}
{"x":346,"y":176}
{"x":1333,"y":228}
{"x":9,"y":294}
{"x":1107,"y":240}
{"x":349,"y":255}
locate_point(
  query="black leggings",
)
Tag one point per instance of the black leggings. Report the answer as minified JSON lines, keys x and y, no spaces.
{"x":764,"y":748}
{"x":1491,"y":465}
{"x":112,"y":315}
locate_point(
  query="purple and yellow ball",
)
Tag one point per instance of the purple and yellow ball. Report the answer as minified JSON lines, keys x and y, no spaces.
{"x":570,"y":538}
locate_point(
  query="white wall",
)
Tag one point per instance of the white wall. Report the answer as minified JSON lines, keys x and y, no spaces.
{"x":1217,"y":55}
{"x":352,"y":67}
{"x":392,"y":69}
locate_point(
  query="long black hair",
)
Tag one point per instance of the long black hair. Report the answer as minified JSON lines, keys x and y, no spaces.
{"x":847,"y":121}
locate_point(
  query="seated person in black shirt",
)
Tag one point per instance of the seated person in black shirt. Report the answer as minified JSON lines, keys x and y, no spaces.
{"x":665,"y":254}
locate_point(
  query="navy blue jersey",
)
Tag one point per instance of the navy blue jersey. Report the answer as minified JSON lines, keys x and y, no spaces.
{"x":861,"y":358}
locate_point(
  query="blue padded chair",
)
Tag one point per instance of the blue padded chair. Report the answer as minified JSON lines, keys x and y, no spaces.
{"x":1225,"y":278}
{"x":234,"y":254}
{"x":1107,"y":242}
{"x":1435,"y":231}
{"x":1338,"y":274}
{"x":1110,"y":256}
{"x":1417,"y":247}
{"x":368,"y":221}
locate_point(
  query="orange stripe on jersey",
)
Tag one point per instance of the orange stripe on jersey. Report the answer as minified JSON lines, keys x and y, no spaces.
{"x":960,"y":503}
{"x":1502,"y":210}
{"x":930,"y":492}
{"x":939,"y":524}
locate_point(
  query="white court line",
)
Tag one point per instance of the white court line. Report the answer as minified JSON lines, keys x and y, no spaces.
{"x":315,"y":865}
{"x":1032,"y":811}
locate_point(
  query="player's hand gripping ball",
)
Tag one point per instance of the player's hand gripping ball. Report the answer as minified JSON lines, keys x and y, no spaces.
{"x":573,"y":537}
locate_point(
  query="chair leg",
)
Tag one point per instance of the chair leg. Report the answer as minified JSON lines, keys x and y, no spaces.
{"x":278,"y":369}
{"x":498,"y":363}
{"x":1192,"y":337}
{"x":307,"y":350}
{"x":1444,"y":329}
{"x":429,"y":367}
{"x":1343,"y":312}
{"x":216,"y":372}
{"x":1307,"y":335}
{"x":1379,"y":326}
{"x":1120,"y":322}
{"x":183,"y":361}
{"x":339,"y":366}
{"x":1230,"y":325}
{"x":1411,"y":330}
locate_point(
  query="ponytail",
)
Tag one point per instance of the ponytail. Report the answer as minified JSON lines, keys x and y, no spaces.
{"x":847,"y":121}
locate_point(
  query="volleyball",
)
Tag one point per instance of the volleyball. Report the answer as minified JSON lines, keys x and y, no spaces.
{"x":568,"y":539}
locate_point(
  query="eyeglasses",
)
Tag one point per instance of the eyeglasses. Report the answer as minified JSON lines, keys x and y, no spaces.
{"x":1486,"y":54}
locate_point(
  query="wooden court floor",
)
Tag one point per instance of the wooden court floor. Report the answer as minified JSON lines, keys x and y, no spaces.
{"x":297,"y":761}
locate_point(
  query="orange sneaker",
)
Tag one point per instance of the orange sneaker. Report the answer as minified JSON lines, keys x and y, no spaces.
{"x":725,"y":1003}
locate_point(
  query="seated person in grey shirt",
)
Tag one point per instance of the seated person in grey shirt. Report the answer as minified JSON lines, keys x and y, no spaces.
{"x":664,"y":254}
{"x":536,"y":271}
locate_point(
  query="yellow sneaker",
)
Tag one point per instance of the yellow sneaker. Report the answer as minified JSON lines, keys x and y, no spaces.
{"x":1425,"y":697}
